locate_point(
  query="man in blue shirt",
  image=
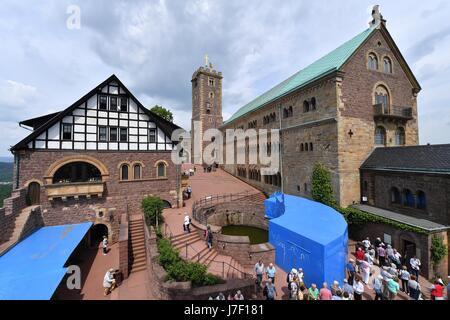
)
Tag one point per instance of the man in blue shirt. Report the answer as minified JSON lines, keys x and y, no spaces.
{"x":350,"y":267}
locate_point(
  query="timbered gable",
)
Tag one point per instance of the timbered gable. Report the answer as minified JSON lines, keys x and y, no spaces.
{"x":109,"y":118}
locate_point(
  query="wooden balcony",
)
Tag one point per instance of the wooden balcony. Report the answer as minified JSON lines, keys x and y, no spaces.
{"x":393,"y":113}
{"x":75,"y":190}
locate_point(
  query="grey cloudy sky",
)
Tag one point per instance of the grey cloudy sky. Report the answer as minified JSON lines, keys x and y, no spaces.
{"x":155,"y":46}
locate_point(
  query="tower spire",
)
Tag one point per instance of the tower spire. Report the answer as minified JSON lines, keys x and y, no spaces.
{"x":206,"y":60}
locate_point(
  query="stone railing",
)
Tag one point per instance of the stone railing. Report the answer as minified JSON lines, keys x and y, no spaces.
{"x":124,"y":247}
{"x":393,"y":111}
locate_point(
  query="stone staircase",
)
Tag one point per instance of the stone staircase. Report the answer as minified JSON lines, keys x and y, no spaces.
{"x":138,"y":256}
{"x":19,"y":229}
{"x":193,"y":247}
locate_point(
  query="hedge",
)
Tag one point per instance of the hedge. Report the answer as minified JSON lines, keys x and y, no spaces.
{"x":179,"y":270}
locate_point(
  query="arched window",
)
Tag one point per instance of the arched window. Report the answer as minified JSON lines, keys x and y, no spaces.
{"x":301,"y":147}
{"x":408,"y":198}
{"x":137,"y":172}
{"x":306,"y":146}
{"x":305,"y":106}
{"x":161,"y":170}
{"x":124,"y":172}
{"x":382,"y":99}
{"x":290,"y":111}
{"x":395,"y":196}
{"x":77,"y":172}
{"x":387,"y":65}
{"x":311,"y":148}
{"x":285,"y":113}
{"x":313,"y":103}
{"x":400,"y":137}
{"x":421,"y":200}
{"x":380,"y":136}
{"x":373,"y":62}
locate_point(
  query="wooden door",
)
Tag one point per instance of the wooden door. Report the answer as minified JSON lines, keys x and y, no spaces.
{"x":34,"y":193}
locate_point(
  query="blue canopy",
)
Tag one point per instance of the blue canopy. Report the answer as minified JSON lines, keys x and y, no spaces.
{"x":309,"y":235}
{"x":33,"y":269}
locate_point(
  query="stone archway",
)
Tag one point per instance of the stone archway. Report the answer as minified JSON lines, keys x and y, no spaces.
{"x":96,"y":234}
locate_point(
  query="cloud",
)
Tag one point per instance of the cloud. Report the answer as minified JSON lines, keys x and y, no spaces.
{"x":15,"y":99}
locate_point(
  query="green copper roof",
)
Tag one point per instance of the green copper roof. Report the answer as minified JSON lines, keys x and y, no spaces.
{"x":329,"y":63}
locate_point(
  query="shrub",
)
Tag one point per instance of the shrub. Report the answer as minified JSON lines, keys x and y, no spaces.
{"x":322,"y":190}
{"x":152,"y":208}
{"x":179,"y":270}
{"x":438,"y":251}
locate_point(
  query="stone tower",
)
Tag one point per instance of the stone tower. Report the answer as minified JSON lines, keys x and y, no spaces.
{"x":206,"y":105}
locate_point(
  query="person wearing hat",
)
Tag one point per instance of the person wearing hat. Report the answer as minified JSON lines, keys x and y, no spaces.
{"x":437,"y":290}
{"x":377,"y":284}
{"x":109,"y":283}
{"x":105,"y":245}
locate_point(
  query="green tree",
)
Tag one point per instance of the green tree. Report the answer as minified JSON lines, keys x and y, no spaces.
{"x":163,"y":112}
{"x":438,"y":251}
{"x":322,"y":190}
{"x":152,"y":208}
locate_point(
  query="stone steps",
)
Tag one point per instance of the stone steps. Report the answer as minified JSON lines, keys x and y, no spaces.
{"x":138,"y":250}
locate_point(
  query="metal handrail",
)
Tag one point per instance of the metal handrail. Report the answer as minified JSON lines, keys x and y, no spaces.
{"x":245,"y":274}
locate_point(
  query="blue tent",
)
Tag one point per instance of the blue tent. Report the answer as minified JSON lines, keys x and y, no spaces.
{"x":309,"y":235}
{"x":33,"y":268}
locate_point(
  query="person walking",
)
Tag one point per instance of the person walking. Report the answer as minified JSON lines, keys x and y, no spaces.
{"x":209,"y":237}
{"x":437,"y":290}
{"x":366,"y":243}
{"x":365,"y":271}
{"x":358,"y":288}
{"x":270,"y":291}
{"x":351,"y":270}
{"x":300,"y":276}
{"x":378,"y":287}
{"x":415,"y":266}
{"x":381,"y":255}
{"x":271,"y":272}
{"x":359,"y":255}
{"x":105,"y":245}
{"x":404,"y":277}
{"x":259,"y":271}
{"x":414,"y":288}
{"x":187,"y":223}
{"x":325,"y":293}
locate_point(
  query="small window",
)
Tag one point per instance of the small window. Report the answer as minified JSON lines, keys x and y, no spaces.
{"x":113,"y":134}
{"x":302,"y":148}
{"x":373,"y":62}
{"x":380,"y":136}
{"x":387,"y":65}
{"x":124,"y":172}
{"x":408,"y":198}
{"x":113,"y":103}
{"x":67,"y":131}
{"x":137,"y":172}
{"x":102,"y":134}
{"x":305,"y":106}
{"x":123,"y":134}
{"x":211,"y":82}
{"x":421,"y":200}
{"x":152,"y":135}
{"x":306,"y":187}
{"x":123,"y":105}
{"x":306,"y":147}
{"x":313,"y":104}
{"x":311,"y":148}
{"x":400,"y":137}
{"x":395,"y":196}
{"x":161,"y":170}
{"x":103,"y":104}
{"x":211,"y":95}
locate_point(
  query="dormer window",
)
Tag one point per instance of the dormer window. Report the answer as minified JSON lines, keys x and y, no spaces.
{"x":67,"y":131}
{"x":103,"y":103}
